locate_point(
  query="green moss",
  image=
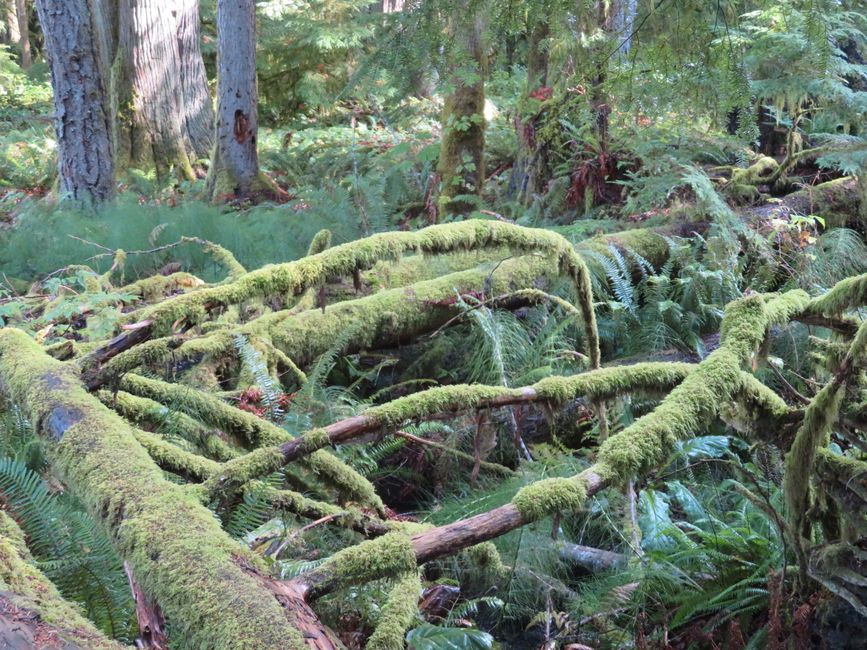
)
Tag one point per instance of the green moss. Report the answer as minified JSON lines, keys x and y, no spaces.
{"x":174,"y":459}
{"x":233,"y":475}
{"x":651,"y":245}
{"x":294,"y":277}
{"x":384,"y":557}
{"x":157,"y":287}
{"x":550,"y":496}
{"x":199,"y":576}
{"x":144,"y":411}
{"x":847,"y":294}
{"x":398,"y":614}
{"x":221,"y":256}
{"x":321,"y":241}
{"x":257,"y":431}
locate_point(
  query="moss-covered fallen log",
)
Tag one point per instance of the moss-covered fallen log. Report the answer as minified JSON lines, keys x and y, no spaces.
{"x":206,"y":584}
{"x":656,"y":378}
{"x":293,"y":278}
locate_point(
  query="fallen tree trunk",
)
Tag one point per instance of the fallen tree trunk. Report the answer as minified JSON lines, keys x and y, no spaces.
{"x":206,"y":584}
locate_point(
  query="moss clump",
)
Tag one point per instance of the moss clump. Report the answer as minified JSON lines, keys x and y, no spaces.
{"x":550,"y":496}
{"x":321,"y":241}
{"x":398,"y":614}
{"x":385,"y":557}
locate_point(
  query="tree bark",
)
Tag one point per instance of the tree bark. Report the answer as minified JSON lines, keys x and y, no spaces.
{"x":159,"y":89}
{"x":235,"y":165}
{"x":462,"y":162}
{"x":81,"y":120}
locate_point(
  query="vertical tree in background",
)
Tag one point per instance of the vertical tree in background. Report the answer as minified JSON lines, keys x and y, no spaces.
{"x":530,"y":166}
{"x":235,"y":164}
{"x":163,"y":112}
{"x":81,"y":121}
{"x":461,"y":164}
{"x":17,"y":31}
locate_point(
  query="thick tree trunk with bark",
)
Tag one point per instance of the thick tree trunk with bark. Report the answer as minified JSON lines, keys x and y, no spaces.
{"x":462,"y":163}
{"x":81,"y":119}
{"x":163,"y":113}
{"x":235,"y":165}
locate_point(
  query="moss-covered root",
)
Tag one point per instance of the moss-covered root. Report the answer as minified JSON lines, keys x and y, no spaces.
{"x":293,"y":278}
{"x":714,"y":384}
{"x":221,"y":256}
{"x":29,"y":598}
{"x":202,"y":579}
{"x":398,"y":614}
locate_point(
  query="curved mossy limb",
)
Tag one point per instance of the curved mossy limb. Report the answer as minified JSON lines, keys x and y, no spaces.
{"x":714,"y":384}
{"x":293,"y":278}
{"x":174,"y":459}
{"x":157,"y":287}
{"x":550,"y":496}
{"x":398,"y":614}
{"x":204,"y":582}
{"x":26,"y":594}
{"x":605,"y":382}
{"x":847,"y":294}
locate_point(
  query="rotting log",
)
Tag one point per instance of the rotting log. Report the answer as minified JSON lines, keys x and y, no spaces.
{"x":206,"y":583}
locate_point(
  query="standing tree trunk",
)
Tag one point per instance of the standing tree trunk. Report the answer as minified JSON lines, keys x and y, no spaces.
{"x":163,"y":113}
{"x":528,"y":173}
{"x":81,"y":121}
{"x":235,"y":165}
{"x":462,"y":163}
{"x":23,"y":16}
{"x":17,"y":31}
{"x":10,"y":34}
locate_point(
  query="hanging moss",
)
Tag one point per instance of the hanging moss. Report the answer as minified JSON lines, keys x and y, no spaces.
{"x":814,"y":433}
{"x":174,"y":545}
{"x":398,"y":614}
{"x":549,"y":497}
